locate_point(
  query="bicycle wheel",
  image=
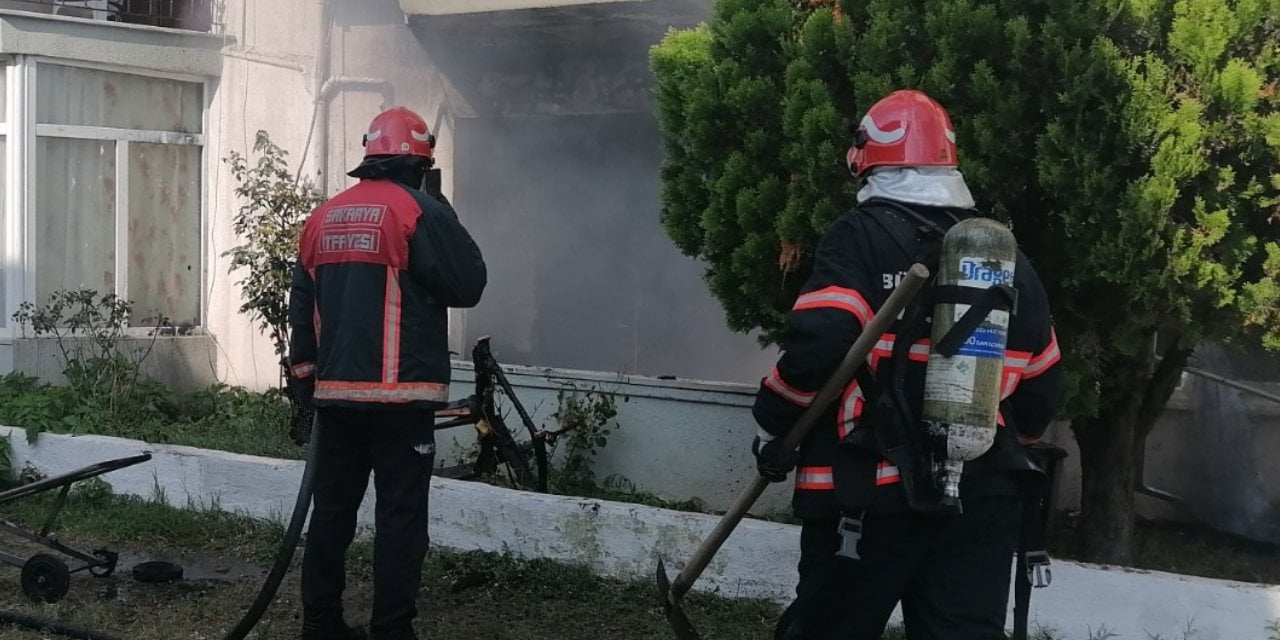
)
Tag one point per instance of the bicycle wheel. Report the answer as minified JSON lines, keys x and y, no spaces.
{"x":515,"y":457}
{"x":535,"y":450}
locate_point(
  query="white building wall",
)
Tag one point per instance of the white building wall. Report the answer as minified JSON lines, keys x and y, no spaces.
{"x":678,"y":439}
{"x":312,"y":79}
{"x":265,"y":85}
{"x":688,"y":439}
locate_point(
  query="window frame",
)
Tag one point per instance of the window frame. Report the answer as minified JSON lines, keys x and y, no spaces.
{"x":21,"y":134}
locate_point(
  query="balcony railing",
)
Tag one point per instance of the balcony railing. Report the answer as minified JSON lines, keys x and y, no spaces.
{"x":192,"y":15}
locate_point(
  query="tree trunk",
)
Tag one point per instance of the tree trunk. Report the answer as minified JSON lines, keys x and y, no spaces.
{"x":1111,"y":445}
{"x":1107,"y":466}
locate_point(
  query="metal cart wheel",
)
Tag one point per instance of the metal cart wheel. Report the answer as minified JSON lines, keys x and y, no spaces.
{"x":45,"y":578}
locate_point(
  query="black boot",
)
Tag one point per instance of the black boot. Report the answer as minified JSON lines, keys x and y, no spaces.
{"x":399,"y":633}
{"x":329,"y":627}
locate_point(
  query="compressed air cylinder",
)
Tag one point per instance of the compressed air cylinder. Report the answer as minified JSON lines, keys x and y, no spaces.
{"x":962,"y":392}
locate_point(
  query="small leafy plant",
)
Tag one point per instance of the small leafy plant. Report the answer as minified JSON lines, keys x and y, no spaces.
{"x":275,"y":205}
{"x":587,"y":418}
{"x":101,"y":361}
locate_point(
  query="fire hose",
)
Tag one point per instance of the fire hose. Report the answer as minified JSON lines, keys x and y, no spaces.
{"x":288,"y":545}
{"x":40,"y":624}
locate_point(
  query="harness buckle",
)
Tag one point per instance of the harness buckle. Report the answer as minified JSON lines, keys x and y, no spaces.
{"x":850,"y":531}
{"x":1038,"y":572}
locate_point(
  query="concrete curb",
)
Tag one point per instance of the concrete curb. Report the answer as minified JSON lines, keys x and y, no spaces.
{"x":625,"y":540}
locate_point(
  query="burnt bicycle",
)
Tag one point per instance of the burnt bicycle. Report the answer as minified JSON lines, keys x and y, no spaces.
{"x":524,"y":462}
{"x":522,"y":459}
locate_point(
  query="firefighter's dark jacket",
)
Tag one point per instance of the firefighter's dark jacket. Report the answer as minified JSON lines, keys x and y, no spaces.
{"x":857,"y":264}
{"x":380,"y":264}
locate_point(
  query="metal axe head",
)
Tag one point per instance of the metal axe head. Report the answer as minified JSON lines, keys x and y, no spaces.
{"x":671,"y":608}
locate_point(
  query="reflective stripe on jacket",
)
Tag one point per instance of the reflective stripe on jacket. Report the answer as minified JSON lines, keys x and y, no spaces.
{"x":380,"y":264}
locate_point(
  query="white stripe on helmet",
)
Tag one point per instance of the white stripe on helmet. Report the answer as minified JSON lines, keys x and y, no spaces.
{"x":878,"y":135}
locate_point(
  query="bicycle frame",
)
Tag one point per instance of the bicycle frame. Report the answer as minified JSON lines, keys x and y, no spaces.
{"x":497,"y":444}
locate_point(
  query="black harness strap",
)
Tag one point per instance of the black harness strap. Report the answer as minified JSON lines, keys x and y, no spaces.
{"x":924,"y":247}
{"x":1038,"y":507}
{"x":981,"y":302}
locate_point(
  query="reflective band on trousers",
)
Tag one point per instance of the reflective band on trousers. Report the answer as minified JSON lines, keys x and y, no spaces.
{"x":382,"y":391}
{"x":815,"y":479}
{"x":886,"y":473}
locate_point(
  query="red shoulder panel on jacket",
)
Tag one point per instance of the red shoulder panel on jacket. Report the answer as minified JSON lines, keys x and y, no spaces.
{"x":370,"y":222}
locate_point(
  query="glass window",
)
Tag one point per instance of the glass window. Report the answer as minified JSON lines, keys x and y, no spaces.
{"x":90,"y":97}
{"x":117,"y":206}
{"x":75,"y":216}
{"x":164,"y":232}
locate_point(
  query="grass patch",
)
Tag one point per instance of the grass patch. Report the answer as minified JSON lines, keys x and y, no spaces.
{"x":1185,"y":549}
{"x":93,"y":512}
{"x":217,"y":417}
{"x":543,"y":599}
{"x":465,"y":595}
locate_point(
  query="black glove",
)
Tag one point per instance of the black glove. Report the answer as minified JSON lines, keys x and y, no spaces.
{"x":302,"y":393}
{"x":771,"y":461}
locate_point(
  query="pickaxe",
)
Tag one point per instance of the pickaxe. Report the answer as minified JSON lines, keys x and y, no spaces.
{"x":671,"y":593}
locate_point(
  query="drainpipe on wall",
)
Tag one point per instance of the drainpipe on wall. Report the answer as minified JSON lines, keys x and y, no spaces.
{"x":327,"y":87}
{"x":330,"y":88}
{"x":320,"y":113}
{"x":337,"y":83}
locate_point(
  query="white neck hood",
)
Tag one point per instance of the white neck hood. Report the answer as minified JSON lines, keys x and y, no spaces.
{"x":929,"y":186}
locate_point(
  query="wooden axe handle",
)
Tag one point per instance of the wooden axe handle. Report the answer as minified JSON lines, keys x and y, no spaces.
{"x":855,"y":358}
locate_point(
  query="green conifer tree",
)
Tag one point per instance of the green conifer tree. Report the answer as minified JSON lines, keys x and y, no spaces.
{"x":1132,"y":145}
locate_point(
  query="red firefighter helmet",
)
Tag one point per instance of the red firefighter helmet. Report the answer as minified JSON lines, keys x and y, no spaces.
{"x":904,"y":129}
{"x":398,"y":132}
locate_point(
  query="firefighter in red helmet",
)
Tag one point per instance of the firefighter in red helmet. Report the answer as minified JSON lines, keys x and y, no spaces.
{"x":380,"y":265}
{"x":868,"y":540}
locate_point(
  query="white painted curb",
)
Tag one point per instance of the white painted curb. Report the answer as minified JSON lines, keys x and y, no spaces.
{"x":625,"y":540}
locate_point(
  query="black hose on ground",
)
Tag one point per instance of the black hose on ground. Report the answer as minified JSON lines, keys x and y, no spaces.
{"x":38,"y":624}
{"x":284,"y":557}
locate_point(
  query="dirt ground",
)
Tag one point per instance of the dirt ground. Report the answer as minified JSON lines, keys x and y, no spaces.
{"x":473,"y":597}
{"x":469,"y":596}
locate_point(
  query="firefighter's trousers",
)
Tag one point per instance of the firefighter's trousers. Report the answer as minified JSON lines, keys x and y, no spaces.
{"x":399,"y":448}
{"x":951,"y":575}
